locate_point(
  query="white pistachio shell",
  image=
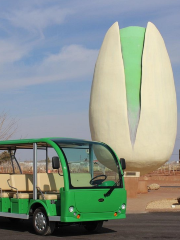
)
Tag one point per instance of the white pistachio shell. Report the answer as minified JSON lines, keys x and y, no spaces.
{"x":108,"y":117}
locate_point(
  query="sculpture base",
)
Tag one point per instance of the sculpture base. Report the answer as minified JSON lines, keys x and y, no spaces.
{"x":134,"y":185}
{"x":131,"y":180}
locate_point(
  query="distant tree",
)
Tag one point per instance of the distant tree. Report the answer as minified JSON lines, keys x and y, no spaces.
{"x":4,"y":156}
{"x":8,"y":126}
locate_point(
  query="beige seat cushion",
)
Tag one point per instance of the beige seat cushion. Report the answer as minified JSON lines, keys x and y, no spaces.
{"x":50,"y":196}
{"x":23,"y":182}
{"x":3,"y":182}
{"x":49,"y":181}
{"x":6,"y":195}
{"x":23,"y":195}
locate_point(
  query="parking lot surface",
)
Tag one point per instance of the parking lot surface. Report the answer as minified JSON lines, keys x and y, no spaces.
{"x":135,"y":226}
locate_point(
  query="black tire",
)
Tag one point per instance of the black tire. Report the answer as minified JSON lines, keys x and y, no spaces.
{"x":93,"y":227}
{"x":41,"y":223}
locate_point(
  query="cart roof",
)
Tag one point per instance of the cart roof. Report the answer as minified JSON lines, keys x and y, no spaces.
{"x":41,"y":143}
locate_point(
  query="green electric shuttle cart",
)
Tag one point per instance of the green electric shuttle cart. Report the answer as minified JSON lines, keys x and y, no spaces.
{"x":85,"y":185}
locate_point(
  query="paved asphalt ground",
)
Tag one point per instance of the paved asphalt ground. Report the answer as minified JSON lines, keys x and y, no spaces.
{"x":135,"y":226}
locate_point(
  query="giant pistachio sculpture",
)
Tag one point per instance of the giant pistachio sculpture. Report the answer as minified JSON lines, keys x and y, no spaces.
{"x":133,"y":100}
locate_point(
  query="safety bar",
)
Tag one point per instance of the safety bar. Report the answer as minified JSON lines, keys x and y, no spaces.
{"x":13,"y":188}
{"x":38,"y":188}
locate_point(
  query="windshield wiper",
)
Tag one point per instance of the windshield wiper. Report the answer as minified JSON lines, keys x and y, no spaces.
{"x":113,"y":187}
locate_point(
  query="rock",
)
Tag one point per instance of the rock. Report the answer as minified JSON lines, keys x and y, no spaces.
{"x":153,"y":186}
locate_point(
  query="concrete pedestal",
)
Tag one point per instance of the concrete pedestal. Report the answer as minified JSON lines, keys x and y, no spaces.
{"x":142,"y":186}
{"x":131,"y":185}
{"x":134,"y":184}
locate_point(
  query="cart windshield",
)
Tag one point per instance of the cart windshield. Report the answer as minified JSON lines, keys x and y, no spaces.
{"x":91,"y":165}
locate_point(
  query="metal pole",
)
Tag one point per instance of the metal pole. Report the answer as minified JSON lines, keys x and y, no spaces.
{"x":46,"y":160}
{"x":34,"y":171}
{"x":9,"y":150}
{"x":91,"y":160}
{"x":14,"y":155}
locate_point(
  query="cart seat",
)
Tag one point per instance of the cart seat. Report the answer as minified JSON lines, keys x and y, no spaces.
{"x":50,"y":184}
{"x":4,"y":187}
{"x":23,"y":195}
{"x":23,"y":182}
{"x":50,"y":196}
{"x":6,"y":195}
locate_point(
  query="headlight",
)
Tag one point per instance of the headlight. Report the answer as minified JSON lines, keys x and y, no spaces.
{"x":123,"y":206}
{"x":71,"y":209}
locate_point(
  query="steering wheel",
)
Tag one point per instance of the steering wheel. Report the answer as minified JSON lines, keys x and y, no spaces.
{"x":93,"y":181}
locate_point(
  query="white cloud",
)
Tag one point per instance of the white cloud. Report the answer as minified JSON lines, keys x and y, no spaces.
{"x":169,"y":26}
{"x":11,"y":51}
{"x":37,"y":18}
{"x":108,"y":8}
{"x":73,"y":62}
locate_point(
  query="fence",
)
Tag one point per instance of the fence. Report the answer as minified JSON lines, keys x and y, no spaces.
{"x":169,"y":168}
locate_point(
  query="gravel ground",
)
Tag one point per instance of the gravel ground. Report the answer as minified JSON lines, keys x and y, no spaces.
{"x":155,"y":200}
{"x":163,"y":204}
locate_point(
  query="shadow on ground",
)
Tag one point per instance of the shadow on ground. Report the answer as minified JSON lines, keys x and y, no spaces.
{"x":25,"y":226}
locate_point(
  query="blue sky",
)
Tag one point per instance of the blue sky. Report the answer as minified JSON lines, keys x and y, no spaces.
{"x":48,"y":50}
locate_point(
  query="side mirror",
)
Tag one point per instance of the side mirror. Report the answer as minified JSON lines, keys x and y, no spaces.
{"x":123,"y":163}
{"x":55,"y":163}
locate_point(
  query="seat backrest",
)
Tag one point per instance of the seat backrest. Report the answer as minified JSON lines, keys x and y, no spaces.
{"x":80,"y":179}
{"x":3,"y":182}
{"x":23,"y":182}
{"x":50,"y":181}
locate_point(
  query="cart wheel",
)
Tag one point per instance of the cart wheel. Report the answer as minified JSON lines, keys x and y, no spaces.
{"x":41,"y":223}
{"x":93,"y":226}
